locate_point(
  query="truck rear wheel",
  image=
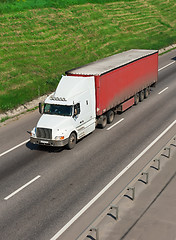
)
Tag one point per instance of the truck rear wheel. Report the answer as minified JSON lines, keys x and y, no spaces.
{"x":72,"y":141}
{"x":141,"y":96}
{"x":104,"y":121}
{"x":110,"y":116}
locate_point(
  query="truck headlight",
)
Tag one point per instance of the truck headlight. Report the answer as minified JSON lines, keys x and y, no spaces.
{"x":59,"y":138}
{"x":33,"y":132}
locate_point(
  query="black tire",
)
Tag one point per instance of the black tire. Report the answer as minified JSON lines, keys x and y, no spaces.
{"x":104,"y":121}
{"x":136,"y":99}
{"x":72,"y":141}
{"x":141,"y":96}
{"x":110,"y":116}
{"x":146,"y":92}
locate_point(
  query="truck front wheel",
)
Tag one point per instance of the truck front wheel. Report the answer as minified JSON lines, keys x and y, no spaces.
{"x":72,"y":141}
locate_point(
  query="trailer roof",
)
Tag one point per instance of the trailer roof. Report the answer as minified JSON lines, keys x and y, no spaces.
{"x":107,"y":64}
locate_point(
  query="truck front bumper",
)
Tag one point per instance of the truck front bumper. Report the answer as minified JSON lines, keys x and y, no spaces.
{"x":49,"y":142}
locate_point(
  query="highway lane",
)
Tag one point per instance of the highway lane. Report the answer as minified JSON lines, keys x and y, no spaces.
{"x":69,"y":179}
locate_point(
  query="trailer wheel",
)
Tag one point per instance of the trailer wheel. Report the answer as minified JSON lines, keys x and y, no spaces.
{"x":136,"y":99}
{"x":104,"y":121}
{"x":110,"y":116}
{"x":72,"y":141}
{"x":146,"y":92}
{"x":141,"y":96}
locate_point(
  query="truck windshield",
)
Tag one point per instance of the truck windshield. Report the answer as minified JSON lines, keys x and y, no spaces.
{"x":58,"y":109}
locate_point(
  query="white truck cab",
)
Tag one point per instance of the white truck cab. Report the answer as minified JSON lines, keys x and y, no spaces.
{"x":69,"y":113}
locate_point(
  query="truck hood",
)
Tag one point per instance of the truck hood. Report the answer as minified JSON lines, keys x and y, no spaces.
{"x":54,"y":121}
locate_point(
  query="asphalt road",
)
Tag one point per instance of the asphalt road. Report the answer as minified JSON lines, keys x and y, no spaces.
{"x":54,"y":184}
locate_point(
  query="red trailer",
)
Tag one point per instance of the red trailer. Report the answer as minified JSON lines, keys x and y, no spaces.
{"x":121,"y":80}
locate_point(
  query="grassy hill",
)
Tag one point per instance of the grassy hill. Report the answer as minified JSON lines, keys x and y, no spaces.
{"x":40,"y":40}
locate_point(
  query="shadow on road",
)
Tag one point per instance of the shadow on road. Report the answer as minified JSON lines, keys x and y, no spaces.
{"x":36,"y":147}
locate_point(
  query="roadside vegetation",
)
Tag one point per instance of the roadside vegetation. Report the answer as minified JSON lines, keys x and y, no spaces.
{"x":40,"y":40}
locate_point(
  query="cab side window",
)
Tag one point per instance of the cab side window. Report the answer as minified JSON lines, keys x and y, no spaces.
{"x":77,"y":109}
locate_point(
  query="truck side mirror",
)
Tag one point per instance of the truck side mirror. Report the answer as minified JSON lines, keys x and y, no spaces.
{"x":40,"y":108}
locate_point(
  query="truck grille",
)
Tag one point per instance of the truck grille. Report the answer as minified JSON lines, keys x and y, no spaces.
{"x":44,"y":133}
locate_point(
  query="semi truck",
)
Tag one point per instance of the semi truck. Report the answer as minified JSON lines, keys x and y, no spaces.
{"x":90,"y":95}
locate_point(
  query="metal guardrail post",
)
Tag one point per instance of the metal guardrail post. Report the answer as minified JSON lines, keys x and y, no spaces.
{"x":117,"y":211}
{"x":157,"y":160}
{"x":169,"y":150}
{"x":147,"y":176}
{"x":174,"y":144}
{"x":96,"y":231}
{"x":133,"y":192}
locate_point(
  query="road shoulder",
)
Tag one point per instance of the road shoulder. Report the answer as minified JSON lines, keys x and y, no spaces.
{"x":152,"y":215}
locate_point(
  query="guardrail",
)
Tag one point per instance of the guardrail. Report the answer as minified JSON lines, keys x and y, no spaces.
{"x":129,"y":191}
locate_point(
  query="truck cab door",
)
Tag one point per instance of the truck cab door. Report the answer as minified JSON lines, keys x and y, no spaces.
{"x":84,"y":116}
{"x":79,"y":120}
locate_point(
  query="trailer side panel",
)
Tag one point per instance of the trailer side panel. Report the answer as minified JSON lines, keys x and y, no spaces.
{"x":122,"y":83}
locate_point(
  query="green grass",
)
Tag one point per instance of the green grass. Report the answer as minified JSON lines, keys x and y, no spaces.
{"x":4,"y":119}
{"x":40,"y":40}
{"x":20,"y":5}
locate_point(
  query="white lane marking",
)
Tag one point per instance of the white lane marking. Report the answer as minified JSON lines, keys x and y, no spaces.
{"x":165,"y":66}
{"x":21,"y":188}
{"x":115,"y":124}
{"x":61,"y":231}
{"x":2,"y":154}
{"x":163,"y":90}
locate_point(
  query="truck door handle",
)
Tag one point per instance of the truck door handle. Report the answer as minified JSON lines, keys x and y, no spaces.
{"x":82,"y":121}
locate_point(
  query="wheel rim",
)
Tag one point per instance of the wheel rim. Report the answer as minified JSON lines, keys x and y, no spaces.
{"x":136,"y":99}
{"x":104,"y":122}
{"x":146,"y":93}
{"x":72,"y":141}
{"x":110,"y":117}
{"x":141,"y":96}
